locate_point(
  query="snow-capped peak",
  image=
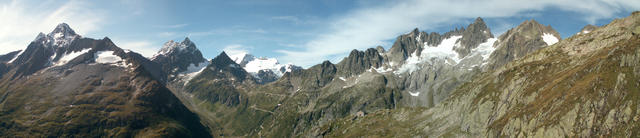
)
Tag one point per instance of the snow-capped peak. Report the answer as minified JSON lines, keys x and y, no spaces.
{"x":61,"y":36}
{"x":172,"y":46}
{"x":254,"y":64}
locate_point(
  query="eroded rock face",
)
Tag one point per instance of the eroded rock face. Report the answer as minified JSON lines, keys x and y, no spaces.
{"x":520,"y":41}
{"x":561,"y":90}
{"x":177,"y":57}
{"x":68,"y":86}
{"x":587,"y":29}
{"x":476,"y":33}
{"x":359,"y":61}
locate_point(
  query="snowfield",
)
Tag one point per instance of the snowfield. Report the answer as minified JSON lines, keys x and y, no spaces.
{"x":106,"y":57}
{"x":70,"y":56}
{"x":549,"y":39}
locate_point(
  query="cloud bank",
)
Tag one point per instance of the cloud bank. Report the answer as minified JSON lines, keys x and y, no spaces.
{"x":370,"y":26}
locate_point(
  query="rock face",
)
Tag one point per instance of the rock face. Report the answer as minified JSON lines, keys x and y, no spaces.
{"x":63,"y":85}
{"x":529,"y":36}
{"x":9,"y":56}
{"x":177,"y":58}
{"x":313,"y":78}
{"x":420,"y":70}
{"x":474,"y":35}
{"x":440,"y":64}
{"x":359,"y":61}
{"x":582,"y":86}
{"x":587,"y":29}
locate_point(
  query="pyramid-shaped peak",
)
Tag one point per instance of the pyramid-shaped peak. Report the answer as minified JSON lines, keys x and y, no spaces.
{"x":187,"y":41}
{"x":222,"y":60}
{"x":479,"y":20}
{"x":63,"y":29}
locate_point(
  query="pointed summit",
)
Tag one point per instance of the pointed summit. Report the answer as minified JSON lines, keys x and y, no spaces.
{"x":222,"y":59}
{"x":517,"y":42}
{"x":187,"y":42}
{"x":475,"y":34}
{"x":61,"y":36}
{"x":170,"y":47}
{"x":179,"y":57}
{"x":63,"y":29}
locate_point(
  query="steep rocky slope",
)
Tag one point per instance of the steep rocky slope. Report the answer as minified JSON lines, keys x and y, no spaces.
{"x":179,"y":59}
{"x":583,"y":86}
{"x":64,"y":85}
{"x":302,"y":101}
{"x":528,"y":37}
{"x":440,"y":64}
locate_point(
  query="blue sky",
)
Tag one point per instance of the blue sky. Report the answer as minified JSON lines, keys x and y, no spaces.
{"x":303,"y":32}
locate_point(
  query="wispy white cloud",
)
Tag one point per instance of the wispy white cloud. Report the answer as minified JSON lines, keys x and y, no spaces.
{"x":22,"y":21}
{"x":145,"y":48}
{"x":166,"y":34}
{"x":371,"y":25}
{"x":172,"y":26}
{"x":235,"y":49}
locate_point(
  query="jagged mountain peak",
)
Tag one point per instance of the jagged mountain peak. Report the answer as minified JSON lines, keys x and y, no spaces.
{"x":517,"y":42}
{"x":186,"y":41}
{"x":61,"y":36}
{"x":264,"y":69}
{"x":180,"y":59}
{"x":64,"y":30}
{"x":476,"y":33}
{"x":173,"y":47}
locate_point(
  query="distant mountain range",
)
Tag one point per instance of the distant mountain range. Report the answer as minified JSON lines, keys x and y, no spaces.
{"x":467,"y":82}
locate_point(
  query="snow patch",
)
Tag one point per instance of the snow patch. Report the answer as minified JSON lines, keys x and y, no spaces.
{"x":70,"y":56}
{"x":16,"y":56}
{"x":415,"y":94}
{"x":584,"y":32}
{"x":239,"y":57}
{"x":444,"y":51}
{"x":192,"y":71}
{"x":485,"y":49}
{"x":268,"y":64}
{"x":549,"y":39}
{"x":383,"y":69}
{"x":106,"y":57}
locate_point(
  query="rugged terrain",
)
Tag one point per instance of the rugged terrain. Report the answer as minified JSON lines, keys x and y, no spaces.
{"x":64,"y":85}
{"x":462,"y":83}
{"x":583,"y":86}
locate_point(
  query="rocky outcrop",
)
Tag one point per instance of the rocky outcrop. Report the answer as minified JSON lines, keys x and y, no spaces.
{"x":518,"y":42}
{"x":359,"y":61}
{"x":314,"y":77}
{"x":580,"y":87}
{"x":9,"y":56}
{"x":587,"y":29}
{"x":476,"y":33}
{"x":177,"y":57}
